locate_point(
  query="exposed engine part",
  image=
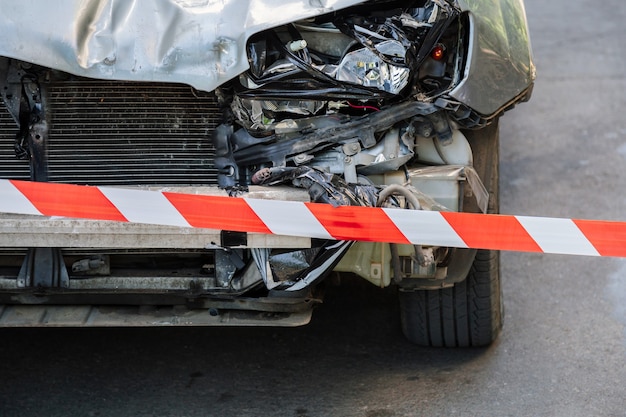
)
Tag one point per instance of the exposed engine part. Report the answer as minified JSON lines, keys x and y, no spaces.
{"x":94,"y":265}
{"x":423,"y":256}
{"x":399,"y":190}
{"x":259,"y":115}
{"x":323,"y":187}
{"x":389,"y":154}
{"x":313,"y":137}
{"x":380,"y":142}
{"x":359,"y":56}
{"x":303,"y":100}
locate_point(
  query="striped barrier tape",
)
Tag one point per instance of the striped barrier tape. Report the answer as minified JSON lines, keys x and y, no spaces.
{"x":314,"y":220}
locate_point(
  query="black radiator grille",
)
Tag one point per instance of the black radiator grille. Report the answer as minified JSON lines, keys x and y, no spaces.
{"x":105,"y":133}
{"x":10,"y":166}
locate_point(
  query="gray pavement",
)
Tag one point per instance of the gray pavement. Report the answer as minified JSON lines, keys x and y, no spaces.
{"x":563,"y":349}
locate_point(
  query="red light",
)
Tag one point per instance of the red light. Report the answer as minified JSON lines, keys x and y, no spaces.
{"x":438,"y":52}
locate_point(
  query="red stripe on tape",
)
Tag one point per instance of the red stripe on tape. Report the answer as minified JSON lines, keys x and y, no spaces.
{"x":357,"y":223}
{"x":609,"y":238}
{"x":222,"y":213}
{"x":68,"y":200}
{"x":491,"y":231}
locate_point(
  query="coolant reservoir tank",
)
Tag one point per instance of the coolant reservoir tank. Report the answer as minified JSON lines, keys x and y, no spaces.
{"x":458,"y":152}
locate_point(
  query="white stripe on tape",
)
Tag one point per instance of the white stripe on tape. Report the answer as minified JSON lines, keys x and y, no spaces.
{"x":429,"y":228}
{"x":144,"y":207}
{"x":13,"y":201}
{"x":288,"y":218}
{"x":557,"y":235}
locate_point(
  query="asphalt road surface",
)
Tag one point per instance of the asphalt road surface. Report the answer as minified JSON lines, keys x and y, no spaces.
{"x":563,"y":349}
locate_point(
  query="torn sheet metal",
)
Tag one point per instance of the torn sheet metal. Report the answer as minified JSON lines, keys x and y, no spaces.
{"x":362,"y":54}
{"x":196,"y":42}
{"x":297,"y":270}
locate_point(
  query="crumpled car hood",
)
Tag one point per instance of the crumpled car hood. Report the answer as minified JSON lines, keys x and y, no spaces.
{"x":197,"y":42}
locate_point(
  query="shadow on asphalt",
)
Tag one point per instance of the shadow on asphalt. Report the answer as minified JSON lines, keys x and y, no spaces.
{"x":354,"y":336}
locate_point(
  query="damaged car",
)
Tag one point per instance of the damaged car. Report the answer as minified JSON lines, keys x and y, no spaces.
{"x":381,"y":103}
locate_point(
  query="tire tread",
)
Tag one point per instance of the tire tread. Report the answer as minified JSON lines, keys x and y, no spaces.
{"x":465,"y":315}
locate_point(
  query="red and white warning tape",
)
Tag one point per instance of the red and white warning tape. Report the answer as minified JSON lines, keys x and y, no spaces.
{"x":450,"y":229}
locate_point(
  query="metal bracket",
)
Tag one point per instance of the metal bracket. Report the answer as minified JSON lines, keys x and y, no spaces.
{"x":43,"y":268}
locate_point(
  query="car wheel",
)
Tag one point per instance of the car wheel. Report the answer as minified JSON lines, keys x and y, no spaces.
{"x":467,"y":314}
{"x":471,"y":312}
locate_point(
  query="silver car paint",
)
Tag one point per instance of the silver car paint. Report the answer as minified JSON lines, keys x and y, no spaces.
{"x":202,"y":42}
{"x":500,"y":66}
{"x":196,"y":42}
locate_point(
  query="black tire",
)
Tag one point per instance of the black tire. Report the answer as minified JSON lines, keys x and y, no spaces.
{"x":469,"y":314}
{"x":466,"y":315}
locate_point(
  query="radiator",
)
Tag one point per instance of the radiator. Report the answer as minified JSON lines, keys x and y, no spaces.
{"x":120,"y":133}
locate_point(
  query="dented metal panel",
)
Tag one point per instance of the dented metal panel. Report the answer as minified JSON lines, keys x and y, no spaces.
{"x":202,"y":42}
{"x":500,"y":66}
{"x":196,"y":42}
